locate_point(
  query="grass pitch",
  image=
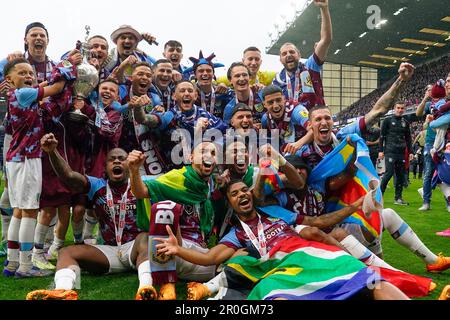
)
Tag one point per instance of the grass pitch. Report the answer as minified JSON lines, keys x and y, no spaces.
{"x":124,"y":286}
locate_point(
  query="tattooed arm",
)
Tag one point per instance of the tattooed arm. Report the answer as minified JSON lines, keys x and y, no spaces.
{"x":138,"y":103}
{"x":388,"y":99}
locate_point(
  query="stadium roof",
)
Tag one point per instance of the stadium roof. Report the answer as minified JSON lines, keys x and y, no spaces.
{"x":414,"y":31}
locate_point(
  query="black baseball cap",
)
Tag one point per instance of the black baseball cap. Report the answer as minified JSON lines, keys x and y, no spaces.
{"x":298,"y":162}
{"x":34,"y":25}
{"x":240,"y":107}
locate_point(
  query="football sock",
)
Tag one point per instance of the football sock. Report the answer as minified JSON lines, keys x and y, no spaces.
{"x":404,"y":235}
{"x":39,"y":237}
{"x":65,"y":279}
{"x":360,"y":252}
{"x":144,"y":274}
{"x":13,"y":240}
{"x":26,"y":237}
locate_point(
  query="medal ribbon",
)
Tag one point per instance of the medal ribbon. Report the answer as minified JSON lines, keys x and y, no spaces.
{"x":212,"y":103}
{"x":293,"y":96}
{"x":260,"y":243}
{"x":122,"y":211}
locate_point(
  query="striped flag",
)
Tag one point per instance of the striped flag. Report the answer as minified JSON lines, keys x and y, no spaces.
{"x":335,"y":163}
{"x":301,"y":270}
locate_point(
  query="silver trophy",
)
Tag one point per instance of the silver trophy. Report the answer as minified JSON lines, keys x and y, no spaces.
{"x":87,"y":79}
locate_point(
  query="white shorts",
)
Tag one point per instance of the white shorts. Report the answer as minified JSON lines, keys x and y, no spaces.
{"x":119,"y":260}
{"x":24,"y":183}
{"x":194,"y":272}
{"x":6,"y":143}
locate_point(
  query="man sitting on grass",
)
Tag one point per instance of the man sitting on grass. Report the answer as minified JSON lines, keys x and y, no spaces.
{"x":125,"y":247}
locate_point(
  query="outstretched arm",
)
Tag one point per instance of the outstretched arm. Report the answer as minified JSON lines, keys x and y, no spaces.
{"x":74,"y":180}
{"x":214,"y":256}
{"x":333,"y":218}
{"x":326,"y":31}
{"x":421,"y":107}
{"x":387,"y":100}
{"x":75,"y":58}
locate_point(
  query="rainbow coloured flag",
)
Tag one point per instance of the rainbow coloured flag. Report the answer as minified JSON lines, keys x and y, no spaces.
{"x":272,"y":180}
{"x":299,"y":270}
{"x":335,"y":163}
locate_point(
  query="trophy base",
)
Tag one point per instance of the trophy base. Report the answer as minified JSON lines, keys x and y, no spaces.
{"x":77,"y":117}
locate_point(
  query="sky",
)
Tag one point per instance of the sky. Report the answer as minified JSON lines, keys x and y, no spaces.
{"x":223,"y":27}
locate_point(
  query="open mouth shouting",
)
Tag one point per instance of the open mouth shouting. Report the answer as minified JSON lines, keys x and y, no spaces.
{"x":28,"y":82}
{"x":38,"y":45}
{"x":174,"y":59}
{"x":207,"y":166}
{"x":164,"y":81}
{"x":291,"y":63}
{"x":324,"y":133}
{"x":240,"y":164}
{"x":186,"y":103}
{"x":127,"y":48}
{"x":245,"y":203}
{"x":117,"y":173}
{"x":143,"y":86}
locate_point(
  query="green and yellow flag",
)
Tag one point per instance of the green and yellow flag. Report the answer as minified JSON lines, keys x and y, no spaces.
{"x":183,"y":186}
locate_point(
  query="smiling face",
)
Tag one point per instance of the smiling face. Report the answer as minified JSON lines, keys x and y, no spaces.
{"x":117,"y":166}
{"x":185,"y":95}
{"x":174,"y":55}
{"x":204,"y":159}
{"x":141,"y":80}
{"x":240,"y":199}
{"x":275,"y":104}
{"x":240,"y":156}
{"x":240,"y":78}
{"x":109,"y":92}
{"x":204,"y":75}
{"x":322,"y":125}
{"x":37,"y":42}
{"x":289,"y":57}
{"x":163,"y":75}
{"x":252,"y":59}
{"x":126,"y":44}
{"x":242,"y":121}
{"x":21,"y":75}
{"x":100,"y":47}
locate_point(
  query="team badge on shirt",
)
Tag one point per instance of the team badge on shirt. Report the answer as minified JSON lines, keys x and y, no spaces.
{"x":259,"y":107}
{"x":318,"y":196}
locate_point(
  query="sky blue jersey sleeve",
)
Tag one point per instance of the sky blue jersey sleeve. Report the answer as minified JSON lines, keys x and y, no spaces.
{"x":300,"y":116}
{"x":312,"y":64}
{"x":95,"y":184}
{"x":26,"y":96}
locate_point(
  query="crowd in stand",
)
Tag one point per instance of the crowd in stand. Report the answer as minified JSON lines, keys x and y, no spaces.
{"x":425,"y":75}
